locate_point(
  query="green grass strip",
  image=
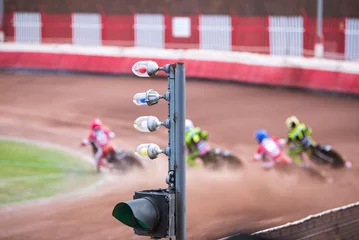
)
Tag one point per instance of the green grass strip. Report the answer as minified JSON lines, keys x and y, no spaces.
{"x":29,"y":171}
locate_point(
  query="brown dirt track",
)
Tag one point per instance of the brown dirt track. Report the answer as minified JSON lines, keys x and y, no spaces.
{"x":58,"y":109}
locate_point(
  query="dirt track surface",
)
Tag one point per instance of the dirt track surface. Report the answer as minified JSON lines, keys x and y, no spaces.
{"x":58,"y":109}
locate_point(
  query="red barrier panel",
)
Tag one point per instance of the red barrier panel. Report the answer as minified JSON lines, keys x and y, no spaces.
{"x":117,"y":30}
{"x":56,"y":28}
{"x":250,"y":34}
{"x":334,"y":35}
{"x":272,"y":75}
{"x":9,"y":30}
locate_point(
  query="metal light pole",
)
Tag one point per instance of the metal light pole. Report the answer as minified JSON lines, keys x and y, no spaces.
{"x":319,"y":47}
{"x":319,"y":17}
{"x":176,"y":178}
{"x":180,"y":116}
{"x":2,"y":36}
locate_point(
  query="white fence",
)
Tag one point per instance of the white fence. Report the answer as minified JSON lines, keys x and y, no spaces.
{"x":27,"y":27}
{"x":215,"y":32}
{"x":286,"y":35}
{"x":87,"y":29}
{"x":352,"y":39}
{"x":1,"y":11}
{"x":149,"y":30}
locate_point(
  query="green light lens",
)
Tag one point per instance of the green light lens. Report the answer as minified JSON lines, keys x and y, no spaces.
{"x":124,"y":214}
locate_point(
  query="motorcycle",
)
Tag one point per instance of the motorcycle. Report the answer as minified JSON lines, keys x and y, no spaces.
{"x":323,"y":154}
{"x":121,"y":161}
{"x":326,"y":155}
{"x":216,"y":157}
{"x":285,"y":164}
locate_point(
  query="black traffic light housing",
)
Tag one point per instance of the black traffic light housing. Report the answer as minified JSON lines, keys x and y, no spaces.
{"x":151,"y":213}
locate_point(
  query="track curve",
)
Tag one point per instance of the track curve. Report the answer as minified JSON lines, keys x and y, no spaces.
{"x":58,"y":109}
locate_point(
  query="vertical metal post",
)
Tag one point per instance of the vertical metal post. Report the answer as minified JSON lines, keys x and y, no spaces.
{"x":180,"y":162}
{"x":319,"y":46}
{"x":171,"y":114}
{"x":2,"y":35}
{"x":319,"y":18}
{"x":1,"y":12}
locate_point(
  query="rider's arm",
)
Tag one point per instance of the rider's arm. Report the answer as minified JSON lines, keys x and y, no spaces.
{"x":258,"y":155}
{"x":196,"y":137}
{"x":289,"y":141}
{"x":85,"y":141}
{"x":109,"y":132}
{"x":191,"y":156}
{"x":308,"y":130}
{"x":279,"y":141}
{"x":204,"y":135}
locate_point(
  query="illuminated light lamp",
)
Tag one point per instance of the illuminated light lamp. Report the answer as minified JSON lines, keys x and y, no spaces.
{"x":147,"y":124}
{"x":146,"y":98}
{"x":145,"y":68}
{"x":148,"y":150}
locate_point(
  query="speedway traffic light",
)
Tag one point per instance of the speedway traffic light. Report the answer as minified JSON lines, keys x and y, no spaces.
{"x":151,"y":213}
{"x":160,"y":213}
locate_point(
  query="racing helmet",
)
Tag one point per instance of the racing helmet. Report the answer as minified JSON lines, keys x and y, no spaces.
{"x":260,"y":135}
{"x":189,"y":125}
{"x":291,"y":122}
{"x":96,"y":123}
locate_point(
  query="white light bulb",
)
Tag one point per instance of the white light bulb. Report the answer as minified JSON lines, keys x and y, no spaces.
{"x":140,"y":99}
{"x":140,"y":69}
{"x":142,"y":150}
{"x":141,"y":124}
{"x":148,"y":150}
{"x":145,"y":68}
{"x":147,"y":123}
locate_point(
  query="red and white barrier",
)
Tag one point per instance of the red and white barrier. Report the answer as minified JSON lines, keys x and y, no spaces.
{"x":274,"y":35}
{"x":330,"y":75}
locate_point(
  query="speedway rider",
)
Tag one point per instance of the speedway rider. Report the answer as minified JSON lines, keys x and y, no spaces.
{"x":99,"y":138}
{"x":193,"y":136}
{"x":299,"y":137}
{"x":269,"y":150}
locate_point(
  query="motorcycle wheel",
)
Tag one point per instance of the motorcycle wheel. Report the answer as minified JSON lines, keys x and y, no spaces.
{"x":329,"y":155}
{"x":129,"y":159}
{"x":232,"y":161}
{"x":210,"y":160}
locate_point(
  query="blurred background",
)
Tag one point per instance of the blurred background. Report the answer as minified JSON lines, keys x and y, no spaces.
{"x":92,"y":37}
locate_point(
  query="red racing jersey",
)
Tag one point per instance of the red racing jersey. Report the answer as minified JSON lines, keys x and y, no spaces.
{"x":269,"y":148}
{"x":101,"y":137}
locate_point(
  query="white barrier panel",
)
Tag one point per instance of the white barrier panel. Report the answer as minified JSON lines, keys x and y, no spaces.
{"x":181,"y":27}
{"x":87,"y":29}
{"x":215,"y":32}
{"x":149,"y":30}
{"x":27,"y":27}
{"x":352,"y":39}
{"x":286,"y":36}
{"x":1,"y":12}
